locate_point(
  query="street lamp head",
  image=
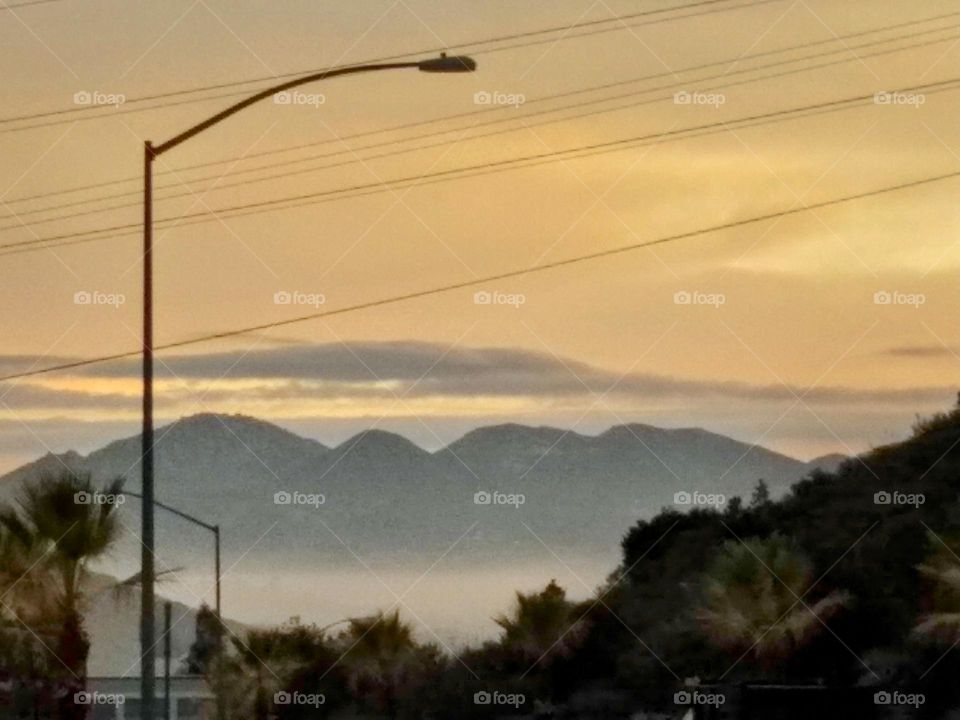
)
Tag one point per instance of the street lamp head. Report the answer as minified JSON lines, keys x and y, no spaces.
{"x":444,"y":64}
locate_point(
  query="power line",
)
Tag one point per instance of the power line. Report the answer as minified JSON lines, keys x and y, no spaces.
{"x":454,"y":173}
{"x":19,"y":216}
{"x":132,"y":230}
{"x":693,"y":133}
{"x":600,"y":254}
{"x":545,"y":98}
{"x":7,"y":6}
{"x":104,"y":112}
{"x":422,"y":123}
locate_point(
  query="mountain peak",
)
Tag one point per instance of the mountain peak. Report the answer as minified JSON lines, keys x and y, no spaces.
{"x":628,"y":429}
{"x":829,"y":463}
{"x":236,"y":427}
{"x":379,"y":443}
{"x":508,"y":433}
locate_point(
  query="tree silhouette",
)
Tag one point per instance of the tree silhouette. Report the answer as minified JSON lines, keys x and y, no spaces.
{"x":63,"y":523}
{"x":753,"y":600}
{"x":542,"y":626}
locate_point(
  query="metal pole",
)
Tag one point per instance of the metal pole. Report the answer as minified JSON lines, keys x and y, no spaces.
{"x":167,"y":612}
{"x":147,"y":628}
{"x":221,"y":710}
{"x":216,"y":537}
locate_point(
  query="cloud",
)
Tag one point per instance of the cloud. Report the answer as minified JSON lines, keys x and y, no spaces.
{"x":368,"y":370}
{"x":923,"y":351}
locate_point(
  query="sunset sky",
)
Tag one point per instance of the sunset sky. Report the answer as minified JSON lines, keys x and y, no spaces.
{"x":787,"y":342}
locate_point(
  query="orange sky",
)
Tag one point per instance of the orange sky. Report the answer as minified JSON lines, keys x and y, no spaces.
{"x":798,"y":356}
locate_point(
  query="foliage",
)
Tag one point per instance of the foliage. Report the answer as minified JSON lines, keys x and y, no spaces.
{"x":830,"y":584}
{"x":755,"y":600}
{"x":543,"y":626}
{"x":47,"y":542}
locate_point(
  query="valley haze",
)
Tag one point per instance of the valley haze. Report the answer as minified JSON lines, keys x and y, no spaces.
{"x":321,"y":533}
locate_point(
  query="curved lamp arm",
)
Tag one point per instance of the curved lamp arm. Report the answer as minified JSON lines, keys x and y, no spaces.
{"x":443,"y":64}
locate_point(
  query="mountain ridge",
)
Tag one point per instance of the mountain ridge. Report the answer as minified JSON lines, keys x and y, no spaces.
{"x":377,"y":491}
{"x":229,"y":422}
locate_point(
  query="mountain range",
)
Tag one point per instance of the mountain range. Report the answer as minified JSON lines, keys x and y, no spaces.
{"x":388,"y":503}
{"x":379,"y":496}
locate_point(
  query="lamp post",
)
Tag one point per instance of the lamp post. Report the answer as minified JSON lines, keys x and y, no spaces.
{"x":443,"y":64}
{"x":215,"y":529}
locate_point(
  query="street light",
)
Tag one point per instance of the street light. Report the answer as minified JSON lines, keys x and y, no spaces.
{"x":443,"y":64}
{"x":215,"y":529}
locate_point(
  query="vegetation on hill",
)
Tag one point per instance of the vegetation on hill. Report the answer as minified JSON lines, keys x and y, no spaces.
{"x":851,"y":580}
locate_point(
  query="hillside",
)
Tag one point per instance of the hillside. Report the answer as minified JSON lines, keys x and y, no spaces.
{"x":384,"y":496}
{"x":868,"y":529}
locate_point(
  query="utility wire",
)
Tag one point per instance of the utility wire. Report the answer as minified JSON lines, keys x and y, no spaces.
{"x":17,"y":6}
{"x":421,"y":123}
{"x":491,"y":278}
{"x":693,"y":133}
{"x":453,"y":173}
{"x":103,"y":111}
{"x":19,"y":216}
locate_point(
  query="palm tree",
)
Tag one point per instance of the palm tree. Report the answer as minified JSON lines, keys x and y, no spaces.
{"x":380,"y":658}
{"x":260,"y":658}
{"x":260,"y":665}
{"x":943,"y":571}
{"x":59,"y":528}
{"x":26,"y":616}
{"x":25,"y":595}
{"x":543,"y":625}
{"x":750,"y":600}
